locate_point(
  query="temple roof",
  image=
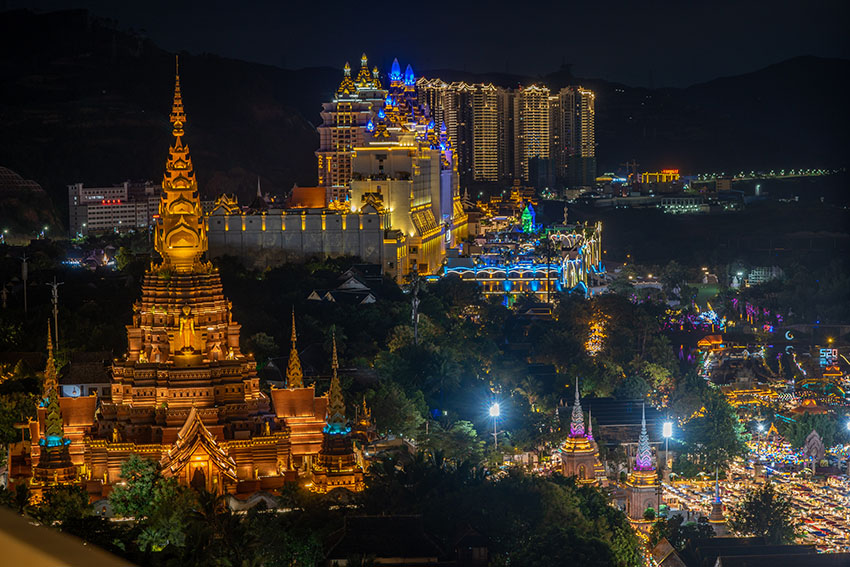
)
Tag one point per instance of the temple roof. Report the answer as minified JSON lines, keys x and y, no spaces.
{"x":194,"y":435}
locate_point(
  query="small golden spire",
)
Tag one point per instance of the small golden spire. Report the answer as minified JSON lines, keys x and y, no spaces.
{"x":294,"y":374}
{"x":334,"y":360}
{"x":336,"y":403}
{"x":49,"y":341}
{"x":178,"y":116}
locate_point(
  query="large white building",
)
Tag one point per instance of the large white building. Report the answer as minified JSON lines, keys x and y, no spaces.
{"x":120,"y":208}
{"x":407,"y":168}
{"x":343,"y":126}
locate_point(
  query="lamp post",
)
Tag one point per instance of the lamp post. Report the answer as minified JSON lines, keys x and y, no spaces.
{"x":494,"y":413}
{"x":55,"y":300}
{"x":667,"y":432}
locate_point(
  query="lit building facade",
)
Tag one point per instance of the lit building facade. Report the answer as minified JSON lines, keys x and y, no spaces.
{"x":298,"y":233}
{"x":531,"y":127}
{"x":343,"y":126}
{"x":407,"y":168}
{"x":129,"y":206}
{"x":574,"y":262}
{"x":574,"y":136}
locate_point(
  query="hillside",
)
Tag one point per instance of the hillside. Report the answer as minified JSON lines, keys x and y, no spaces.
{"x":84,"y":100}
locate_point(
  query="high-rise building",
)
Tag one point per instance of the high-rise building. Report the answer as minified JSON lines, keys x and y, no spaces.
{"x":531,"y":127}
{"x":485,"y":133}
{"x":576,"y":131}
{"x":343,"y":126}
{"x":129,"y":206}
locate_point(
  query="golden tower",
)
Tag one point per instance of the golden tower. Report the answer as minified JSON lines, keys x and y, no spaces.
{"x":181,"y":236}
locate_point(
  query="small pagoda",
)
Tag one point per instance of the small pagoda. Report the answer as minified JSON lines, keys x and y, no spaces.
{"x":54,"y":458}
{"x":579,"y":453}
{"x":303,"y":412}
{"x":643,"y":490}
{"x":336,"y":465}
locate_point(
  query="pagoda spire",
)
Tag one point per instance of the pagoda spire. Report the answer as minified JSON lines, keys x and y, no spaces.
{"x":336,"y":403}
{"x":590,"y":425}
{"x":577,"y":421}
{"x":643,"y":461}
{"x":294,"y":375}
{"x":346,"y":87}
{"x":54,"y":430}
{"x":181,"y":236}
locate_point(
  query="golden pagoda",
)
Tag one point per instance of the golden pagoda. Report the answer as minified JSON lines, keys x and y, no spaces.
{"x":579,"y":453}
{"x":294,"y":375}
{"x":336,"y":466}
{"x":184,"y":394}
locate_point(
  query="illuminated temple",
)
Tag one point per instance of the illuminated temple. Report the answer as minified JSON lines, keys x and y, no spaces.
{"x":184,"y":394}
{"x":643,"y":490}
{"x":579,"y":453}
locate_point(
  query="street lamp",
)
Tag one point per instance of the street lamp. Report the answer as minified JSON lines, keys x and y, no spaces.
{"x":495,"y":410}
{"x":667,"y":432}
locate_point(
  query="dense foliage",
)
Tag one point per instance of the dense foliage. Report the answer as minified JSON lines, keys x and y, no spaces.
{"x":767,"y":513}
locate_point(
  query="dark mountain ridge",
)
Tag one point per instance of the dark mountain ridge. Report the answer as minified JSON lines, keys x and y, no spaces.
{"x":83,"y":100}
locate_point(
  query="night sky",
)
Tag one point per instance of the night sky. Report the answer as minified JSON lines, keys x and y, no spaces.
{"x":651,"y":43}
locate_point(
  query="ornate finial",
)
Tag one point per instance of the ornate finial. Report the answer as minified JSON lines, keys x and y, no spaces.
{"x":334,"y":360}
{"x":409,"y":78}
{"x":364,"y":61}
{"x":347,"y":69}
{"x":259,"y":191}
{"x":395,"y":71}
{"x":577,"y":418}
{"x":49,"y":341}
{"x":294,"y":374}
{"x":643,"y":461}
{"x":590,"y":425}
{"x":178,"y":116}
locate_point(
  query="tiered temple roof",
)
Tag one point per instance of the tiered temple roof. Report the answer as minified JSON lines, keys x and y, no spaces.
{"x":579,"y":453}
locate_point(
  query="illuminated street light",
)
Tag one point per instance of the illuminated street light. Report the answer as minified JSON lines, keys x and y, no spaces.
{"x":667,"y":432}
{"x":495,"y":410}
